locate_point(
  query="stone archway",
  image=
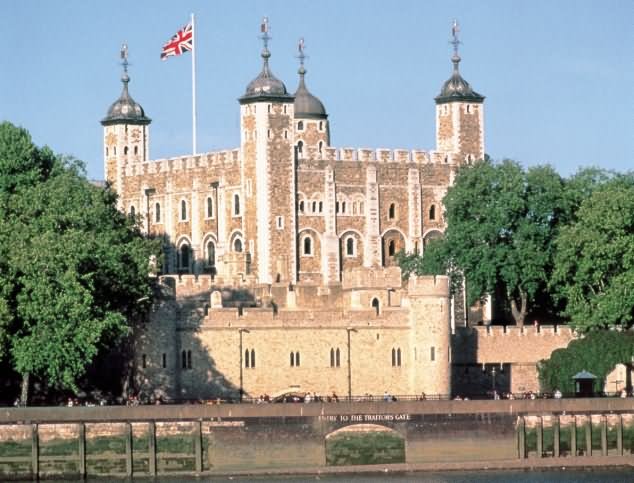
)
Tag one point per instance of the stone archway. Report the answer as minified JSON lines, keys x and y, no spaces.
{"x":392,"y":242}
{"x":364,"y":444}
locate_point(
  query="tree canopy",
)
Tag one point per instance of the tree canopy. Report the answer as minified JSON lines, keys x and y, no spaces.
{"x":500,"y":225}
{"x":594,"y":258}
{"x":598,"y":352}
{"x":72,"y":267}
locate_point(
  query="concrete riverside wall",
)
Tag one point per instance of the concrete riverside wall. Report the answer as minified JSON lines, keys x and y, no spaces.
{"x":242,"y":438}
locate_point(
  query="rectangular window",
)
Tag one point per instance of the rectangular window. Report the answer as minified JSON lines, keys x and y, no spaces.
{"x":164,"y":361}
{"x":432,"y":353}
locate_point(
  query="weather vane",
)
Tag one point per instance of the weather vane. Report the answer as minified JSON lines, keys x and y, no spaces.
{"x":302,"y":56}
{"x":455,"y":28}
{"x":124,"y":57}
{"x":264,"y":29}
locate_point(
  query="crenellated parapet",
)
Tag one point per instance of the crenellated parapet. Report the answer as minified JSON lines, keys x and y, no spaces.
{"x":386,"y":155}
{"x":430,"y":286}
{"x":220,"y":159}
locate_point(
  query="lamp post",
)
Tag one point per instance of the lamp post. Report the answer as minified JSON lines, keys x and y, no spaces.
{"x":493,"y":380}
{"x":241,"y":331}
{"x":348,"y":330}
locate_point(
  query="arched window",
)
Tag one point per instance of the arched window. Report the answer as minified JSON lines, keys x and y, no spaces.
{"x":375,"y":305}
{"x":337,"y":358}
{"x":391,"y":248}
{"x":337,"y":206}
{"x":301,"y":206}
{"x":125,"y":150}
{"x":432,"y":212}
{"x":314,"y":208}
{"x":132,"y":211}
{"x":321,"y":206}
{"x":210,"y":207}
{"x":391,"y":212}
{"x":236,"y":204}
{"x":300,"y":147}
{"x":157,"y":212}
{"x":393,"y":357}
{"x":247,"y":359}
{"x":308,"y":245}
{"x":398,"y":357}
{"x":320,"y":146}
{"x":296,"y":359}
{"x":211,"y":253}
{"x":300,"y":126}
{"x":184,"y":256}
{"x":237,"y":245}
{"x":350,"y":246}
{"x":252,"y":357}
{"x":332,"y":358}
{"x":183,"y":210}
{"x":292,"y":359}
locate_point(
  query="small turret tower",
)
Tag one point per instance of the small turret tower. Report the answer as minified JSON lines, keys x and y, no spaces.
{"x":125,"y":132}
{"x":459,"y":115}
{"x":312,"y":132}
{"x":268,"y":167}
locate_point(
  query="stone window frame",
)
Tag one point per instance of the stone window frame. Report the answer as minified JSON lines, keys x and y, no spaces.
{"x":158,"y":220}
{"x":300,"y":148}
{"x":335,"y":357}
{"x":393,"y":211}
{"x":431,"y":212}
{"x":249,"y":359}
{"x":236,"y":205}
{"x":209,"y":206}
{"x":347,"y":240}
{"x":206,"y":241}
{"x":396,"y":357}
{"x":182,"y":219}
{"x":300,"y":125}
{"x":311,"y":245}
{"x":179,"y":254}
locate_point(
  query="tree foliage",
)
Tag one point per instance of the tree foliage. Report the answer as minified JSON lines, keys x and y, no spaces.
{"x":500,"y":225}
{"x":594,"y":260}
{"x":72,"y":267}
{"x":598,"y":352}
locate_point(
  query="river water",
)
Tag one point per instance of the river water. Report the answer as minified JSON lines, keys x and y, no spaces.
{"x":535,"y":476}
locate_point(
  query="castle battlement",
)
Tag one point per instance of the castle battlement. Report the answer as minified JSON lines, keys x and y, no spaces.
{"x":526,"y":331}
{"x":430,"y":285}
{"x":225,"y":158}
{"x":380,"y":155}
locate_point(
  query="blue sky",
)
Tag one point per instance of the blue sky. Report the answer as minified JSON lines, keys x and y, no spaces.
{"x":557,"y":75}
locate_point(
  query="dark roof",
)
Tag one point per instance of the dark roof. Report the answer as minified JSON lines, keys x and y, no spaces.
{"x":306,"y":104}
{"x":265,"y":86}
{"x":125,"y":109}
{"x":456,"y":88}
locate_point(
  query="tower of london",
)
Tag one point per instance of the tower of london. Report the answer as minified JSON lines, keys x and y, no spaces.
{"x":279,"y":272}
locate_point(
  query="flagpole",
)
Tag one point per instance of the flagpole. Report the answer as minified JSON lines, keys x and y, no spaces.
{"x":193,"y":86}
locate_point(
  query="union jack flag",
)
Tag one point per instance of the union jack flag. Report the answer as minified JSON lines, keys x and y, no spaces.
{"x":179,"y":43}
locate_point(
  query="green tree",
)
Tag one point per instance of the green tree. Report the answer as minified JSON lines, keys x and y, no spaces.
{"x":594,"y":260}
{"x":72,"y":266}
{"x":598,"y":352}
{"x":500,"y":225}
